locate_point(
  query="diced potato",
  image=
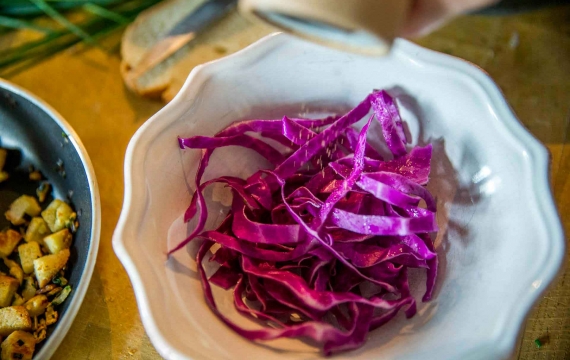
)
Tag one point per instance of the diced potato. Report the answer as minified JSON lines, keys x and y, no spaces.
{"x":28,"y":253}
{"x":18,"y":300}
{"x":58,"y":241}
{"x":46,"y":267}
{"x":8,"y":241}
{"x":8,"y":287}
{"x":24,"y":205}
{"x":37,"y":230}
{"x":15,"y":270}
{"x":14,"y":318}
{"x":29,"y":290}
{"x":37,"y":305}
{"x":18,"y":345}
{"x":58,"y":215}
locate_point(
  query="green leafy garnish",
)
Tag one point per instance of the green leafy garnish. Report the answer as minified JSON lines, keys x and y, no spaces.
{"x":62,"y":296}
{"x":59,"y":280}
{"x":61,"y":24}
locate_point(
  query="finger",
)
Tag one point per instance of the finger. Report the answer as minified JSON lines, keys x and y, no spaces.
{"x":428,"y":15}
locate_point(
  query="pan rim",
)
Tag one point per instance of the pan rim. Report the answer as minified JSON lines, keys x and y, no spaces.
{"x":53,"y":342}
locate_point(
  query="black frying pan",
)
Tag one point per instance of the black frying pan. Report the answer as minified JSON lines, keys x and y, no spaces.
{"x":37,"y":136}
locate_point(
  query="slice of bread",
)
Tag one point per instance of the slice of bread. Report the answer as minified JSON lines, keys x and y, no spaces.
{"x":224,"y":37}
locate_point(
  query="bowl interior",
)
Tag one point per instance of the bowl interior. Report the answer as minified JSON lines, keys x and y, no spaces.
{"x":492,"y":239}
{"x":35,"y":138}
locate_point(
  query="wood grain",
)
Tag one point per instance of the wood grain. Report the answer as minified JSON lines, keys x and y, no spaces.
{"x":528,"y":55}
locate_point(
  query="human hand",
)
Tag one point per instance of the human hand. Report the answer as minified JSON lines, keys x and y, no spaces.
{"x":428,"y":15}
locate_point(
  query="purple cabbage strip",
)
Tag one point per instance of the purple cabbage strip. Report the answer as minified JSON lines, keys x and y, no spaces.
{"x":432,"y":269}
{"x":255,"y":232}
{"x":315,"y":300}
{"x":201,"y":202}
{"x":326,"y":234}
{"x":369,"y":255}
{"x":225,"y":277}
{"x":383,"y":225}
{"x":296,"y":133}
{"x":314,"y":145}
{"x":259,"y":291}
{"x":260,"y":190}
{"x":205,"y":142}
{"x":246,"y":310}
{"x":352,"y":139}
{"x":404,"y":185}
{"x":417,"y":245}
{"x":348,"y":183}
{"x":325,"y":244}
{"x":392,"y":128}
{"x":414,"y":166}
{"x":318,"y":331}
{"x":249,"y":249}
{"x":386,"y":193}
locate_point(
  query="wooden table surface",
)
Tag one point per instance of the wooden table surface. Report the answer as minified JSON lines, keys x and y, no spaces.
{"x":528,"y":56}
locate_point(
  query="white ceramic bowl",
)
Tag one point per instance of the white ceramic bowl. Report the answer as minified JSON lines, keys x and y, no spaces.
{"x":500,"y":242}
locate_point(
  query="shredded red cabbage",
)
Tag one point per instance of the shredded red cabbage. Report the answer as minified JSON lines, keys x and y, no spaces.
{"x":319,"y":247}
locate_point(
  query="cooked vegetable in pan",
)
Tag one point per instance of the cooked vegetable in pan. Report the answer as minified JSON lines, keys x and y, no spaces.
{"x":35,"y":254}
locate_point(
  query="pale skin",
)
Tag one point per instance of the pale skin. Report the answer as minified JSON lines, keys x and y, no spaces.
{"x":428,"y":15}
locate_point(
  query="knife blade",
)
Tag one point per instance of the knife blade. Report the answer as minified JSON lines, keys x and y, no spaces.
{"x":182,"y":33}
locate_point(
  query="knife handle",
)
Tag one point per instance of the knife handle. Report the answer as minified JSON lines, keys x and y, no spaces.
{"x":365,"y":26}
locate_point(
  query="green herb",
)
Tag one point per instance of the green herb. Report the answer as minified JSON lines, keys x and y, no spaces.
{"x":59,"y":280}
{"x":543,"y":340}
{"x":73,"y":22}
{"x":14,"y":23}
{"x":62,"y":296}
{"x":101,"y":11}
{"x":54,"y":14}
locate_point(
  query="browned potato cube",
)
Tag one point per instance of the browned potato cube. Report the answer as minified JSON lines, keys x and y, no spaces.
{"x":15,"y":269}
{"x":18,"y":345}
{"x":29,"y":288}
{"x":8,"y":241}
{"x":58,"y":241}
{"x":46,"y":267}
{"x":24,"y":205}
{"x":37,"y":230}
{"x":57,"y":215}
{"x":14,"y":318}
{"x":28,"y":253}
{"x":37,"y":305}
{"x":8,"y":286}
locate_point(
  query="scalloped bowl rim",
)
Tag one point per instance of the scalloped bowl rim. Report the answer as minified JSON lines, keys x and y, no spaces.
{"x":502,"y":346}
